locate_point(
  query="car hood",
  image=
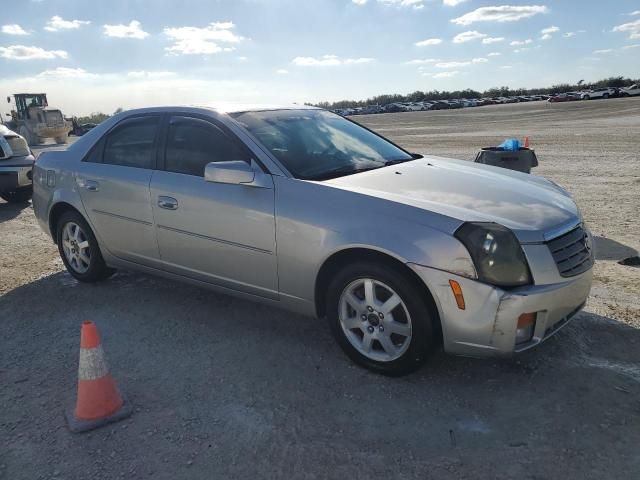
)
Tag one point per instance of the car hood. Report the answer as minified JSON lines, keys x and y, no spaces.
{"x":529,"y":205}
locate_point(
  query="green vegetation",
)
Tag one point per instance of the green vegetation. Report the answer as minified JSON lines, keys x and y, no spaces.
{"x":97,"y":117}
{"x":419,"y":96}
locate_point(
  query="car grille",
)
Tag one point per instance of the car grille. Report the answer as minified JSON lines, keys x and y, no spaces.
{"x":572,"y":252}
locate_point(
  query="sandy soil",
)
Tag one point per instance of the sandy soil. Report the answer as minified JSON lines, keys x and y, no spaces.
{"x":227,"y":389}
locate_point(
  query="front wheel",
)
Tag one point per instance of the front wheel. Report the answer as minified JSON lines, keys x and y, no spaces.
{"x":605,"y":96}
{"x":61,"y":140}
{"x":79,"y":249}
{"x":380,"y":318}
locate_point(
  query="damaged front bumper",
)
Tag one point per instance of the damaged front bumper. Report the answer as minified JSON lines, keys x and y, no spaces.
{"x":489,"y":323}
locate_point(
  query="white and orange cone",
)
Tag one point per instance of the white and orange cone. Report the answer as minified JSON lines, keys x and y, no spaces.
{"x":99,"y":402}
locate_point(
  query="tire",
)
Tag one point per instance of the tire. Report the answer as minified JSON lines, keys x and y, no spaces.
{"x":586,"y":97}
{"x":21,"y":195}
{"x":605,"y":96}
{"x":24,"y":132}
{"x":61,"y":140}
{"x":405,"y":353}
{"x":93,"y":270}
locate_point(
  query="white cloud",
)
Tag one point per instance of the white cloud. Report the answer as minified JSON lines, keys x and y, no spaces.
{"x":637,"y":45}
{"x":468,"y":36}
{"x":453,"y":73}
{"x":428,"y":42}
{"x":328,"y":61}
{"x":149,"y":75}
{"x":632,"y":28}
{"x":64,"y":72}
{"x":490,"y":40}
{"x":479,"y":60}
{"x":516,"y":43}
{"x":57,"y":23}
{"x":282,"y":71}
{"x":452,"y":3}
{"x":203,"y":41}
{"x":14,"y":29}
{"x":21,"y":52}
{"x":243,"y":59}
{"x":547,"y":32}
{"x":634,"y":13}
{"x":415,"y":4}
{"x":552,"y":29}
{"x":359,"y":2}
{"x":503,"y":13}
{"x":506,"y":67}
{"x":133,"y":30}
{"x":569,"y":34}
{"x":603,"y":51}
{"x":423,"y":61}
{"x":494,"y":54}
{"x":447,"y":65}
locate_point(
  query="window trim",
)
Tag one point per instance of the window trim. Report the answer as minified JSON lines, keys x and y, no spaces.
{"x":102,"y":141}
{"x":162,"y":147}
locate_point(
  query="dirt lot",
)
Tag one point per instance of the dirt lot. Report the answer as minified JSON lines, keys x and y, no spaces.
{"x":227,"y":389}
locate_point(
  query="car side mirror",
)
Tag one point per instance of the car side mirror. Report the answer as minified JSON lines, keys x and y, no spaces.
{"x":234,"y":172}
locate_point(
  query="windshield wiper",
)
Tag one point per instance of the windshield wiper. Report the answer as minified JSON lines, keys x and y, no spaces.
{"x":342,"y":171}
{"x":414,"y":156}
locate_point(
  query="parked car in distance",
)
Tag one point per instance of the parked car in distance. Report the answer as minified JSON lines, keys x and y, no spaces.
{"x":300,"y":208}
{"x":597,"y":93}
{"x":560,"y":97}
{"x":16,"y":167}
{"x":630,"y":91}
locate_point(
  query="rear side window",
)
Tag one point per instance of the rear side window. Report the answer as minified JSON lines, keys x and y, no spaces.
{"x":192,"y":143}
{"x":132,"y":143}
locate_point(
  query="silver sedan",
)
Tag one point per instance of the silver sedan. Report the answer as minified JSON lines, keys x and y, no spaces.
{"x":303,"y":209}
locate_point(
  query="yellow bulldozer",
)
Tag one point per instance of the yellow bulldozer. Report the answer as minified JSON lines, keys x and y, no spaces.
{"x":36,"y":121}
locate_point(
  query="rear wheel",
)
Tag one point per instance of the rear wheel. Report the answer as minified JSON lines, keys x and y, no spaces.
{"x":79,"y":249}
{"x":606,"y":95}
{"x":61,"y":140}
{"x":21,"y":195}
{"x":24,"y":132}
{"x":379,"y":318}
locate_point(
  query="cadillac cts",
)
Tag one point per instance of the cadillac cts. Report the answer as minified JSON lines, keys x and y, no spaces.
{"x":300,"y":208}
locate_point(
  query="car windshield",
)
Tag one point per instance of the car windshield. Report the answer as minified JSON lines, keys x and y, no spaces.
{"x":319,"y":145}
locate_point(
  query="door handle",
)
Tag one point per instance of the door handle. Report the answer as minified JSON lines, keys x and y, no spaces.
{"x":168,"y":203}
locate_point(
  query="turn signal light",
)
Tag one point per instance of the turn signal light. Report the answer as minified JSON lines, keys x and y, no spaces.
{"x":526,"y":327}
{"x":457,"y":293}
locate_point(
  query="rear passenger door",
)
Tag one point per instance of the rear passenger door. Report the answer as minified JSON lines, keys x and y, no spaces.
{"x":113,"y":181}
{"x":218,"y":233}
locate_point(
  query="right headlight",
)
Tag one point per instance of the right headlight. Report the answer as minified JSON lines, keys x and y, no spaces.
{"x":496,"y":254}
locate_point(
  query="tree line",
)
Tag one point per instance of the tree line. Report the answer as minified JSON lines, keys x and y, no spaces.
{"x":419,"y":96}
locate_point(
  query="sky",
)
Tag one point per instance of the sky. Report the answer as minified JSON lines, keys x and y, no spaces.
{"x":99,"y":55}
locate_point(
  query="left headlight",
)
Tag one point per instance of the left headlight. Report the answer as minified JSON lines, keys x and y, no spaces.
{"x":496,"y":253}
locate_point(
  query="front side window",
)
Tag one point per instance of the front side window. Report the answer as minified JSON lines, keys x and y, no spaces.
{"x":132,"y":143}
{"x":318,"y":145}
{"x":192,"y":143}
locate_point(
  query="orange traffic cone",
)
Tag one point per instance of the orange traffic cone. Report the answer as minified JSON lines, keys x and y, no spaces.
{"x":99,"y":402}
{"x":526,"y":142}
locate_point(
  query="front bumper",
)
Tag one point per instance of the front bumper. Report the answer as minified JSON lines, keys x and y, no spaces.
{"x":16,"y":172}
{"x":487,"y":327}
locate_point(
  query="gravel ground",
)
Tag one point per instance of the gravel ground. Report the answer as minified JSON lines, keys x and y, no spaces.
{"x":227,"y":389}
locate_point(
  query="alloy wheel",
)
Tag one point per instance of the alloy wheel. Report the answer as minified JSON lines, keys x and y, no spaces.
{"x":75,"y":245}
{"x":375,"y":320}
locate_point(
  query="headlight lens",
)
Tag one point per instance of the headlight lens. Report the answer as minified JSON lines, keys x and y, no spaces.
{"x":496,"y":253}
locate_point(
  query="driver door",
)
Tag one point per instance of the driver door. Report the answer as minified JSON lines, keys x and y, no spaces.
{"x":222,"y":234}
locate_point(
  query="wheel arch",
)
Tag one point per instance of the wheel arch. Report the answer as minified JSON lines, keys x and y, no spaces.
{"x":55,"y":213}
{"x":354,"y":254}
